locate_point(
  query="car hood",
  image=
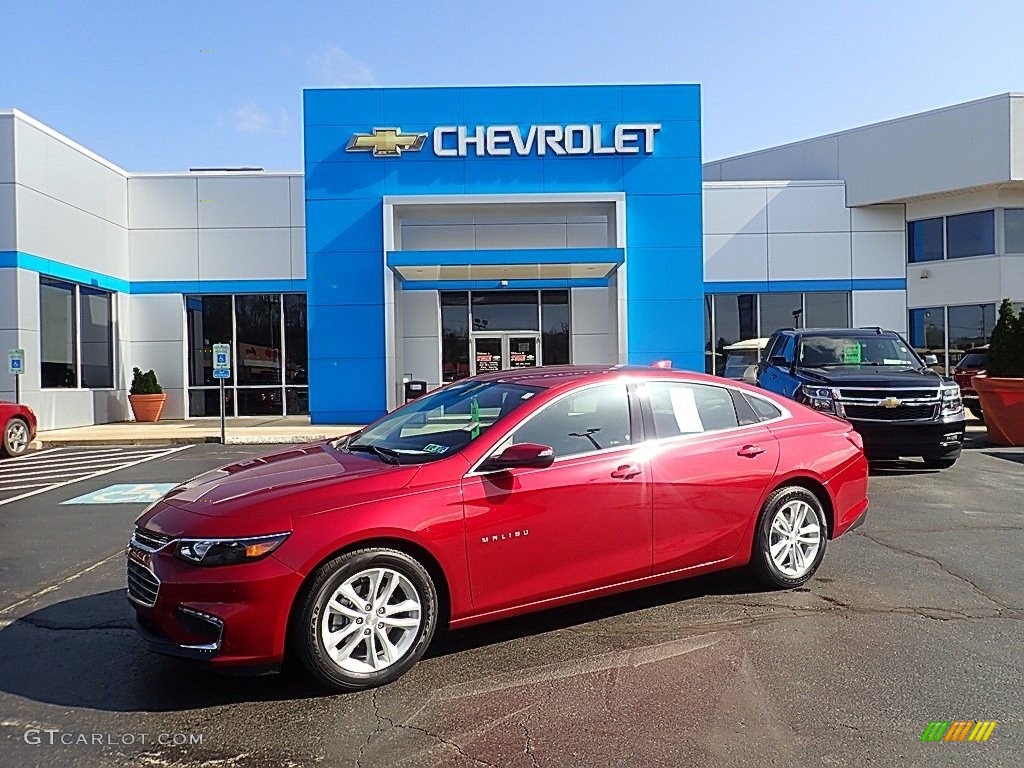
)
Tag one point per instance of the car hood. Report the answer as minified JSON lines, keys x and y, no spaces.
{"x":865,"y":376}
{"x":293,"y":482}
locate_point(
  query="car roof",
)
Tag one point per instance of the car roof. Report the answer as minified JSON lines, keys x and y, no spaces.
{"x":564,"y":376}
{"x":864,"y":331}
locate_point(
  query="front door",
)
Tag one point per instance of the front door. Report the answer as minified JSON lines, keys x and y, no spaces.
{"x":583,"y":522}
{"x":505,"y":351}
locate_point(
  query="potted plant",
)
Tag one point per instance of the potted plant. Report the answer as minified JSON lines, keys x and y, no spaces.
{"x":146,"y":396}
{"x":1001,"y":389}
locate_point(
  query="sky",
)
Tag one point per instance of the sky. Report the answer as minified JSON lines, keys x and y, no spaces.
{"x":172,"y":85}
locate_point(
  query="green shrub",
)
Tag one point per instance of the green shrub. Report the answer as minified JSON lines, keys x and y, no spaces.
{"x":1006,"y":349}
{"x":145,"y":383}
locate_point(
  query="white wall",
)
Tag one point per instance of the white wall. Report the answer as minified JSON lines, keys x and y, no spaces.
{"x":592,"y":327}
{"x":965,"y":145}
{"x":419,"y":318}
{"x":786,"y":230}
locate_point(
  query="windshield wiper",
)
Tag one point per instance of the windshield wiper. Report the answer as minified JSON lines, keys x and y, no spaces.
{"x":384,"y":454}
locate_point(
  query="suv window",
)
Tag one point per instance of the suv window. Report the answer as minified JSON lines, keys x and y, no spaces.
{"x":784,"y":346}
{"x":683,"y":408}
{"x":581,"y":422}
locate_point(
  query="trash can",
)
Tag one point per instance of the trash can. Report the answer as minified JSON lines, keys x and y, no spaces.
{"x":414,"y":389}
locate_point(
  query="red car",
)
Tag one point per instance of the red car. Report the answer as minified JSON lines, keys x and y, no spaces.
{"x":492,"y":497}
{"x":19,"y":428}
{"x":971,"y":364}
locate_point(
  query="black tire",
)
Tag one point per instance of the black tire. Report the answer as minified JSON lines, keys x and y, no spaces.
{"x":939,"y":463}
{"x":305,"y":634}
{"x":764,"y":567}
{"x":10,"y":444}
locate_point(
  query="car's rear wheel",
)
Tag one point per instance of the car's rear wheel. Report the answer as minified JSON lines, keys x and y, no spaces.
{"x":365,"y":618}
{"x":15,"y":438}
{"x":791,"y":537}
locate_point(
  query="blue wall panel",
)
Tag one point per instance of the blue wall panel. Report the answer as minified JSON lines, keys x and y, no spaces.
{"x":344,"y":228}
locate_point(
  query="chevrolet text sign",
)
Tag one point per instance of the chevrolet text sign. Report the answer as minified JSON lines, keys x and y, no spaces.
{"x":507,"y":140}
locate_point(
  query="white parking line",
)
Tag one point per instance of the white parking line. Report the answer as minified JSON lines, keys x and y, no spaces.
{"x":71,"y":466}
{"x":65,"y":455}
{"x":105,"y":471}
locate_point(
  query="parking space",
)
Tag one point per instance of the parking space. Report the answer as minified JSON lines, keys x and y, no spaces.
{"x":36,"y":473}
{"x":913,"y":618}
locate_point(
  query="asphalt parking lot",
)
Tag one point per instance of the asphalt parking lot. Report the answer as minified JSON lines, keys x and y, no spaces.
{"x":914,"y":617}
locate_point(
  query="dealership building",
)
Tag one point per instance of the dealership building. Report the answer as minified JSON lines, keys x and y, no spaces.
{"x":435,"y":233}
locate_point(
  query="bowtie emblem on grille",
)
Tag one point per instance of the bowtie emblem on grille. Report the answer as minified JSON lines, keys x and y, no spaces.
{"x":891,"y":402}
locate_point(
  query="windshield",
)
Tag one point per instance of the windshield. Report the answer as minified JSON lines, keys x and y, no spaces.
{"x":973,"y":360}
{"x":827,"y":351}
{"x":438,"y":424}
{"x":737,"y":363}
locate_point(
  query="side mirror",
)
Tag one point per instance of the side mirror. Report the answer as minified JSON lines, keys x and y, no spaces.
{"x":930,"y":360}
{"x":521,"y":456}
{"x":778,"y":361}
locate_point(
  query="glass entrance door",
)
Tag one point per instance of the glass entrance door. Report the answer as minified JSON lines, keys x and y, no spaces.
{"x":505,"y":351}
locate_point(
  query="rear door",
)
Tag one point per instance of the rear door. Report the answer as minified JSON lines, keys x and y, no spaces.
{"x":710,"y":468}
{"x":779,"y":377}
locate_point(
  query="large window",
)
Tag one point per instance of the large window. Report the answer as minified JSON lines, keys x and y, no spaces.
{"x":947,"y":332}
{"x":590,"y":420}
{"x":269,"y":372}
{"x":555,"y":327}
{"x":731,"y":317}
{"x":76,"y":325}
{"x":454,"y":336}
{"x":1013,"y":230}
{"x":952,"y":237}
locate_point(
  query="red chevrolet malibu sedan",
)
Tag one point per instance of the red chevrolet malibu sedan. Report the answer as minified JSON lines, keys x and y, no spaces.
{"x":491,"y":497}
{"x":18,"y":423}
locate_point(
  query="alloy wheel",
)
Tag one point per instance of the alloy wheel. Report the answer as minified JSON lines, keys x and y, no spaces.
{"x":794,"y":538}
{"x":371,"y":621}
{"x":17,"y":437}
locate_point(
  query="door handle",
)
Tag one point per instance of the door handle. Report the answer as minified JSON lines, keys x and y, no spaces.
{"x":626,"y":471}
{"x":750,"y":451}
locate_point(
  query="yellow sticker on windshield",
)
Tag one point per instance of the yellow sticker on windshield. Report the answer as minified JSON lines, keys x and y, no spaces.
{"x":851,"y":353}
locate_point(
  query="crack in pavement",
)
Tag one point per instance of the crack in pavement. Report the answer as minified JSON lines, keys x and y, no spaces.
{"x":942,"y":567}
{"x":528,"y":746}
{"x":382,"y":719}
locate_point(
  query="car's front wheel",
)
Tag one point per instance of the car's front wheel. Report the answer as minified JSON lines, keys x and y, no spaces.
{"x":365,"y":618}
{"x":15,"y":437}
{"x":791,"y":537}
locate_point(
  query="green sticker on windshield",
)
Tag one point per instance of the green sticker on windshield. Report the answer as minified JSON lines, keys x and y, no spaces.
{"x":851,"y":353}
{"x":474,"y":417}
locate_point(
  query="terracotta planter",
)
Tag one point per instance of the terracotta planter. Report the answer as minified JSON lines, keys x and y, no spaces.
{"x":147,"y":407}
{"x":1002,"y":401}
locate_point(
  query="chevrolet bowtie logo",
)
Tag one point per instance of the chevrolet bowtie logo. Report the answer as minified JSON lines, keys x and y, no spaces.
{"x":386,"y":142}
{"x":891,"y":402}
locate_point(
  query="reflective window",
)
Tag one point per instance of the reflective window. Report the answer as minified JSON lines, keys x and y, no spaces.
{"x":270,"y":365}
{"x":258,"y":336}
{"x":555,"y":327}
{"x":590,"y":420}
{"x":928,"y":332}
{"x":682,"y":408}
{"x":1013,"y":230}
{"x":765,"y":411}
{"x":505,"y":311}
{"x":454,"y":336}
{"x":735,"y":317}
{"x":827,"y":310}
{"x":57,"y":332}
{"x":970,"y":234}
{"x":709,"y":346}
{"x":781,"y":310}
{"x":924,"y":240}
{"x":969,"y":326}
{"x":96,"y":322}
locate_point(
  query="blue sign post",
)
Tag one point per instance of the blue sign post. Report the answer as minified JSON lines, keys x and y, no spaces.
{"x":221,"y":372}
{"x":16,"y":367}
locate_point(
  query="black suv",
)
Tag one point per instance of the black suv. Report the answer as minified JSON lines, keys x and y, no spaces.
{"x":875,"y":380}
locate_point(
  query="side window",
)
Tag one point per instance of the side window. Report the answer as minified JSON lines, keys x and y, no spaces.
{"x":682,"y":408}
{"x":582,"y":422}
{"x":788,"y":349}
{"x":774,"y":347}
{"x":765,"y":411}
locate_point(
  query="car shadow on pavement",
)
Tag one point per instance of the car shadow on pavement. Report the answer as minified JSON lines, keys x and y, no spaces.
{"x":85,"y":653}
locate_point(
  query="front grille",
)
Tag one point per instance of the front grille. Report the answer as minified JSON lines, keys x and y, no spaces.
{"x":865,"y":393}
{"x":143,"y":585}
{"x":899,"y":413}
{"x":149,"y":540}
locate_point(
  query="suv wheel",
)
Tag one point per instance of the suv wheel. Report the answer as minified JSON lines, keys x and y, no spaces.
{"x":365,"y":618}
{"x":791,"y":538}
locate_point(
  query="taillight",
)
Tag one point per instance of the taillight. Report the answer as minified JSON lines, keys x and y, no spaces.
{"x":854,"y":437}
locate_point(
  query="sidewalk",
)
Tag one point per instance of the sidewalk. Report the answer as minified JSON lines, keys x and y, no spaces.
{"x":240,"y":431}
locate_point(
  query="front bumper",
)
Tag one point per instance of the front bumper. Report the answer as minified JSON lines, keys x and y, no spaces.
{"x":940,"y":439}
{"x":227,"y":615}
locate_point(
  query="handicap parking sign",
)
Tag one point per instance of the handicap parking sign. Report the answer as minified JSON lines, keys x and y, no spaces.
{"x":124,"y":493}
{"x":221,"y":373}
{"x":16,"y":361}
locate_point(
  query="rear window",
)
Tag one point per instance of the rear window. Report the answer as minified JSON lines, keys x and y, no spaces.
{"x":972,"y":360}
{"x":765,"y":411}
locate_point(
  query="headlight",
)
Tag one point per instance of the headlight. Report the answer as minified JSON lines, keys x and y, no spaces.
{"x":952,"y":403}
{"x":227,"y":551}
{"x":819,"y":398}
